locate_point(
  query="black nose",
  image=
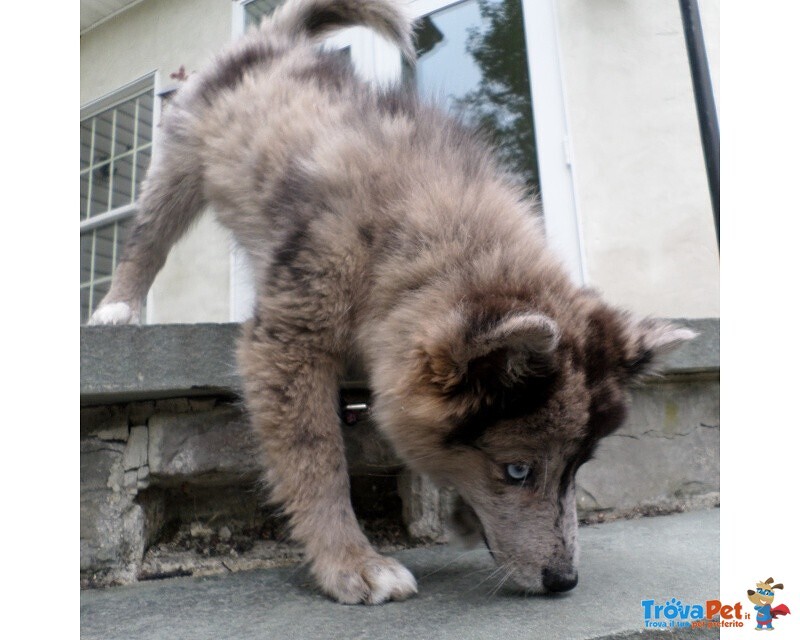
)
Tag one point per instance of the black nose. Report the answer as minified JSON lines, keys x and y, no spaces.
{"x":556,"y":582}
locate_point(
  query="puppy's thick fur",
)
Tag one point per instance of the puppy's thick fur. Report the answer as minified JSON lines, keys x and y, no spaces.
{"x":381,"y":229}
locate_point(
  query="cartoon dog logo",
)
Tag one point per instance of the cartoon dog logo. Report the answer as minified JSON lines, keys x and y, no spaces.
{"x":762,"y":597}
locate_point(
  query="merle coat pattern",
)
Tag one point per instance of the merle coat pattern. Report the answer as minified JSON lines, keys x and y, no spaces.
{"x":383,"y":230}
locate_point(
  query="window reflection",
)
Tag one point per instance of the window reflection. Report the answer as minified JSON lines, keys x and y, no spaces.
{"x":472,"y":57}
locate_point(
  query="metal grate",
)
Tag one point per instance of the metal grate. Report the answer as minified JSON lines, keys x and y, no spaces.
{"x":116,"y":146}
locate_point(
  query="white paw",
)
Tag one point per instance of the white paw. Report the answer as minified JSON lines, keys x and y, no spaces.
{"x":371,"y":580}
{"x":390,"y":582}
{"x":114,"y":313}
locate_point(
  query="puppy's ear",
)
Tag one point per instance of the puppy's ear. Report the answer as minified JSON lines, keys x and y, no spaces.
{"x":649,"y":341}
{"x":473,"y":355}
{"x":618,"y":345}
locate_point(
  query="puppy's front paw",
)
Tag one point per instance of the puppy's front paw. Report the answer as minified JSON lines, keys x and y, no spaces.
{"x":114,"y":313}
{"x":370,"y":580}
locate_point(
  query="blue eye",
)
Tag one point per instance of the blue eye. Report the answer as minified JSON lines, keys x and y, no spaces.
{"x":517,"y":473}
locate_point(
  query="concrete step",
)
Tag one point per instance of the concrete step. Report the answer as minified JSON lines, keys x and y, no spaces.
{"x":165,"y":442}
{"x":622,"y":563}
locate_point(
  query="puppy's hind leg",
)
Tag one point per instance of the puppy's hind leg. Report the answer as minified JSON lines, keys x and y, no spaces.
{"x":291,"y":389}
{"x":172,"y":196}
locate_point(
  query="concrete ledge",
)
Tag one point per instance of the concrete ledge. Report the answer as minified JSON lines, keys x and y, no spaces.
{"x":124,"y":363}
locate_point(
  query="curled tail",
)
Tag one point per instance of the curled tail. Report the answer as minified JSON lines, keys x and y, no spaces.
{"x":315,"y":19}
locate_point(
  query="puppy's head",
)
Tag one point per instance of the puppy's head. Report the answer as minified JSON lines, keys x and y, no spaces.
{"x":506,"y":403}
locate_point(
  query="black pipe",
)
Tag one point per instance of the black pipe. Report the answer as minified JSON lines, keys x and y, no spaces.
{"x":703,"y":99}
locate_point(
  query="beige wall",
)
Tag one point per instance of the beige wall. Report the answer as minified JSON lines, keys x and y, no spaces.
{"x":160,"y":36}
{"x":640,"y":179}
{"x":640,"y":176}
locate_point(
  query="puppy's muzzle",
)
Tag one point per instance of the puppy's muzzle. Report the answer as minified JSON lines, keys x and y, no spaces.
{"x":557,"y":581}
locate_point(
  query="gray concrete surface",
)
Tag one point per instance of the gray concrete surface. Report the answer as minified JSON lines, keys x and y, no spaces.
{"x":622,"y":564}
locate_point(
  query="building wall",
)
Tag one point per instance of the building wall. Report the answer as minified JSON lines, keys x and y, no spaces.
{"x":640,"y":179}
{"x":162,"y":36}
{"x":642,"y":192}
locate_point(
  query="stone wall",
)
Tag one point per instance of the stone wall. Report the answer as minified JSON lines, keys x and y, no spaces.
{"x":152,"y":466}
{"x":149,"y":464}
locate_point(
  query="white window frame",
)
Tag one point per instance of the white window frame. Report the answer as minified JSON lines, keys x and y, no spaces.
{"x":109,"y":101}
{"x":557,"y":173}
{"x":241,"y":283}
{"x":104,"y":103}
{"x":557,"y":181}
{"x":380,"y":61}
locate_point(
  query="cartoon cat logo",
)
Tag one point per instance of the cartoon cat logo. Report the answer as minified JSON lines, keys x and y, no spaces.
{"x":762,"y":597}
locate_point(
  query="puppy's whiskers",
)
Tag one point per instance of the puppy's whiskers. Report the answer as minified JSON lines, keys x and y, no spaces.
{"x":453,"y":561}
{"x":501,"y":583}
{"x":490,"y":576}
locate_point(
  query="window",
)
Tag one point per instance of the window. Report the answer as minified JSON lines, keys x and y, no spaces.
{"x":116,"y":145}
{"x":257,"y":9}
{"x":497,"y":63}
{"x":472,"y":55}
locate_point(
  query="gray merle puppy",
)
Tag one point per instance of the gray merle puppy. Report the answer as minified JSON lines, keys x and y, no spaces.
{"x":382,"y":230}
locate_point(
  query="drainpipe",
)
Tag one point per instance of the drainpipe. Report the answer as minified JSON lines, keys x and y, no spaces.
{"x":703,"y":99}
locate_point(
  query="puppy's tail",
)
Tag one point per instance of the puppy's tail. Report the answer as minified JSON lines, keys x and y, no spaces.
{"x":315,"y":19}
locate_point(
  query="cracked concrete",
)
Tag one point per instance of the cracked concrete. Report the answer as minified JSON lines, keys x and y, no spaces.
{"x":666,"y":456}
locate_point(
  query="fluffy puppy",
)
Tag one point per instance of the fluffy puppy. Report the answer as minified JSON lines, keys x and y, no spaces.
{"x":380,"y":229}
